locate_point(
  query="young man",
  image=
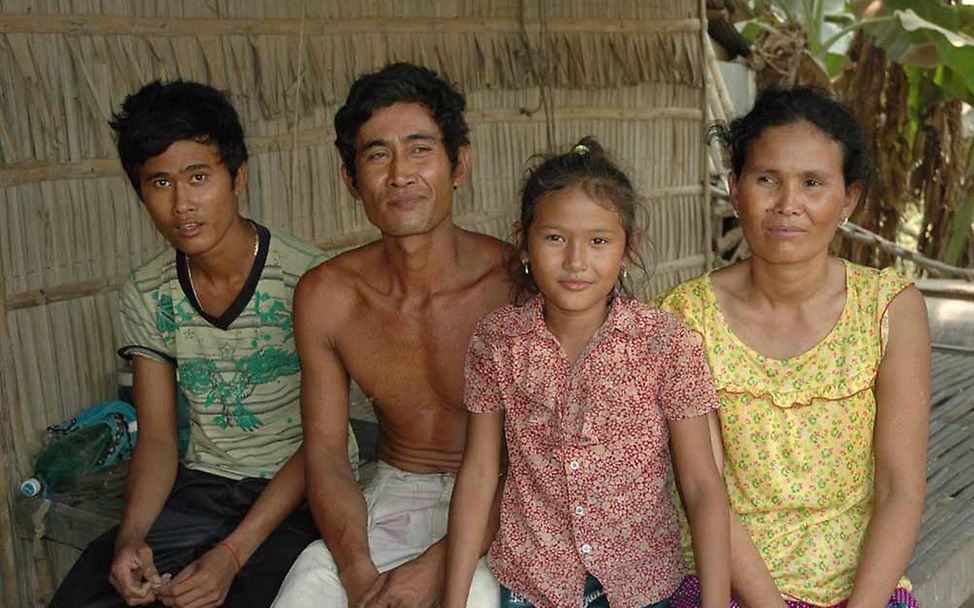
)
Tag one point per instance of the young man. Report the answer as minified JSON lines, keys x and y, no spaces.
{"x":396,"y":316}
{"x":208,"y":318}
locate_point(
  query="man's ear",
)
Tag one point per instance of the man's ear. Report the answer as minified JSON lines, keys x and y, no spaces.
{"x":349,"y":182}
{"x":462,"y":172}
{"x":240,"y":181}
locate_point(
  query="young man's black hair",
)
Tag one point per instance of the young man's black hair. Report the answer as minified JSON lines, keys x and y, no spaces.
{"x":157,"y":115}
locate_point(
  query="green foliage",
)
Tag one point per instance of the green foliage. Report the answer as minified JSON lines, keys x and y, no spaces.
{"x":935,"y":39}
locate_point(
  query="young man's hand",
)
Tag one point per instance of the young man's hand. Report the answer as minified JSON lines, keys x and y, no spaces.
{"x":133,"y":573}
{"x":203,"y":583}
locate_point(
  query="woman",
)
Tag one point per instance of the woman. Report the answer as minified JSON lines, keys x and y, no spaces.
{"x":822,"y":368}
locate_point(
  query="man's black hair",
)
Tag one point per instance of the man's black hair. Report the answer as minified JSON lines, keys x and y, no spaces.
{"x":401,"y":83}
{"x":158,"y":115}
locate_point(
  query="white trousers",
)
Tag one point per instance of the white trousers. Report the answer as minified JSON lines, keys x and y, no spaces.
{"x":408,"y":512}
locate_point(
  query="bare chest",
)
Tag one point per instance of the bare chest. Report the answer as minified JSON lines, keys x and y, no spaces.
{"x":411,"y":358}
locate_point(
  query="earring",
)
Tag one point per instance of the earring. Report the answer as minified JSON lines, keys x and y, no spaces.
{"x":844,"y":221}
{"x":625,"y":272}
{"x":734,"y":211}
{"x":527,"y":268}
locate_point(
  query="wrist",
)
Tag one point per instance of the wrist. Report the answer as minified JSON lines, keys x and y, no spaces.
{"x":227,"y":546}
{"x":128,"y":538}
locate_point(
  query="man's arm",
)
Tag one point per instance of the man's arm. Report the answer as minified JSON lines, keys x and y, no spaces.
{"x":208,"y":579}
{"x":900,"y":448}
{"x":152,"y":473}
{"x":336,"y":501}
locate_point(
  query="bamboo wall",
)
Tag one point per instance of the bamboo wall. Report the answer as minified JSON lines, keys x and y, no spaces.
{"x":627,"y":71}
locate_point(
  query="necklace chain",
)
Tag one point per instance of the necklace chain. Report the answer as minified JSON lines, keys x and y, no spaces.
{"x":189,"y":270}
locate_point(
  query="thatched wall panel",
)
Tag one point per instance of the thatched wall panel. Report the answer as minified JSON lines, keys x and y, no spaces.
{"x":106,"y":68}
{"x":64,"y":359}
{"x":59,"y":232}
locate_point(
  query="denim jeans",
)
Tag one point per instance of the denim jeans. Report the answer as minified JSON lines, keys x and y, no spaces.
{"x":592,"y":597}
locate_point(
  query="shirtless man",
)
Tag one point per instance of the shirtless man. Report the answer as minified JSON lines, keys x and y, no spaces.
{"x":396,"y":316}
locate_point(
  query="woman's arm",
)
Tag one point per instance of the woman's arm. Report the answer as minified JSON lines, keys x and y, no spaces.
{"x":900,"y":448}
{"x":705,"y":500}
{"x":751,"y":582}
{"x":471,"y":505}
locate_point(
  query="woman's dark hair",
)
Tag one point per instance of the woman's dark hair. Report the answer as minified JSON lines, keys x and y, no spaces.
{"x":158,"y":115}
{"x":776,"y":106}
{"x":401,"y":83}
{"x":585,"y":166}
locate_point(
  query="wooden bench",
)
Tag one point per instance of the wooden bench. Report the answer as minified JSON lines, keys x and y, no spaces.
{"x":942,"y":569}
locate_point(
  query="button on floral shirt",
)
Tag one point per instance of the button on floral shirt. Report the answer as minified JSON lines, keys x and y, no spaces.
{"x":588,"y":443}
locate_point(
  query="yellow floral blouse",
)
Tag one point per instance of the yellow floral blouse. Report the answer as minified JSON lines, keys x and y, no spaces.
{"x":798,"y":434}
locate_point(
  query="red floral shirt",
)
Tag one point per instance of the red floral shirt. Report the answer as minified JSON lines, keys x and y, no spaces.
{"x":588,"y":445}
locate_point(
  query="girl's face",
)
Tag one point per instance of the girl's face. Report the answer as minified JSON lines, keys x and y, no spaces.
{"x":576,"y":248}
{"x":791,"y":194}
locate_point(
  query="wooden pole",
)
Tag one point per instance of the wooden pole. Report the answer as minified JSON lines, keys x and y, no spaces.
{"x":111,"y":25}
{"x":8,"y":391}
{"x":708,"y":83}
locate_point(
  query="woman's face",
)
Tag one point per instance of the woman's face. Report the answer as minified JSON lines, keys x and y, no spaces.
{"x":791,"y":194}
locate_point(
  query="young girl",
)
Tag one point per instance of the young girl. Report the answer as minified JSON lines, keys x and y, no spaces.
{"x":588,"y":387}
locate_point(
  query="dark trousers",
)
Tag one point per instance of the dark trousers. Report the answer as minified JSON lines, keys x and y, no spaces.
{"x":202,"y":510}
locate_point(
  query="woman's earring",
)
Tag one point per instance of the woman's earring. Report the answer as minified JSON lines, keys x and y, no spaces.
{"x":625,"y":272}
{"x":844,"y":221}
{"x":527,"y":268}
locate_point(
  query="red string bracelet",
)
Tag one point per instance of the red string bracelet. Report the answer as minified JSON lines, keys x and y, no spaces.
{"x":233,"y":552}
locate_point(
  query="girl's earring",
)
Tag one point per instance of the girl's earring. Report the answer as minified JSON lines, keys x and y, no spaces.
{"x":625,"y":272}
{"x":844,"y":221}
{"x":527,"y":268}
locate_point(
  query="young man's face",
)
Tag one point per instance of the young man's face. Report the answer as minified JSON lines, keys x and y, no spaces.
{"x":403,"y":173}
{"x":190,"y":196}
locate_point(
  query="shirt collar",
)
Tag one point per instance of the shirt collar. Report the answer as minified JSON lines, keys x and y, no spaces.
{"x":622,"y":317}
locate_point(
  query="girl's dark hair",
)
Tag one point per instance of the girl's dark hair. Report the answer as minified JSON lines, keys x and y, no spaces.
{"x":401,"y":83}
{"x":776,"y":106}
{"x":586,"y":165}
{"x":158,"y":115}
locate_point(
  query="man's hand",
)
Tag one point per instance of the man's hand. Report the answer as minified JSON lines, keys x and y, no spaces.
{"x":133,"y":573}
{"x":202,"y":584}
{"x":358,"y":580}
{"x":415,"y":584}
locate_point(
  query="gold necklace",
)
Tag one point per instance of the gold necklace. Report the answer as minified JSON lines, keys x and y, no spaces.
{"x":189,"y":270}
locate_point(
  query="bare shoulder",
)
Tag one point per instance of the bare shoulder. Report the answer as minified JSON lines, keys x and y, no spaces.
{"x":485,"y":258}
{"x":908,"y":306}
{"x":333,"y":287}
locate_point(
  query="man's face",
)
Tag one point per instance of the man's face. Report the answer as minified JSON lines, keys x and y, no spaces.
{"x":189,"y":195}
{"x":403,"y":173}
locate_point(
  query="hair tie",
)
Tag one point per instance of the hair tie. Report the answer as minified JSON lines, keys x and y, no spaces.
{"x":580,"y":149}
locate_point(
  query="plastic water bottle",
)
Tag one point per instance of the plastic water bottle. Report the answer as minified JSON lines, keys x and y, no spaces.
{"x":66,"y":460}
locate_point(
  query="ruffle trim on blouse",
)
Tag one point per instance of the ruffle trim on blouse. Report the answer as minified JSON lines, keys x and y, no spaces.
{"x":789,"y":400}
{"x":837,"y":368}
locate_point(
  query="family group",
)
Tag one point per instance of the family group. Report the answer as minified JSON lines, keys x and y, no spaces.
{"x":754,"y":437}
